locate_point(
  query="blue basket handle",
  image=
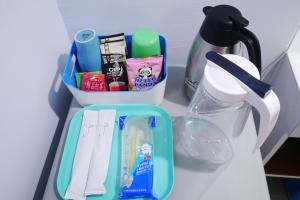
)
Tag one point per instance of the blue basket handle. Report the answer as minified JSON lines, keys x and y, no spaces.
{"x":69,"y":68}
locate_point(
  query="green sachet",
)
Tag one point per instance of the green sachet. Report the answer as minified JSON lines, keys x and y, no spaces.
{"x":79,"y":75}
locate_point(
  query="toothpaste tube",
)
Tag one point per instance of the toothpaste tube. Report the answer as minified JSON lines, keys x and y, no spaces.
{"x":137,"y":157}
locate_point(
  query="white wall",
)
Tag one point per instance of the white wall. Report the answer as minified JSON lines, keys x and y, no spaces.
{"x":285,"y":86}
{"x":285,"y":81}
{"x":273,"y":21}
{"x":32,"y":39}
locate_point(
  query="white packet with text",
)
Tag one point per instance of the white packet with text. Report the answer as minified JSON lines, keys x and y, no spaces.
{"x":84,"y":150}
{"x":101,"y":153}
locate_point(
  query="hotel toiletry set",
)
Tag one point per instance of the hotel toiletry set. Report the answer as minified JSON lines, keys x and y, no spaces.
{"x":120,"y":145}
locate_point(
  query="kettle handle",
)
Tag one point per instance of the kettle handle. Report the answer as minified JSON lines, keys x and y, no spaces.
{"x":252,"y":44}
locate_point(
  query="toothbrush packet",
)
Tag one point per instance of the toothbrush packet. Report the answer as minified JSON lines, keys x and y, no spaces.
{"x":137,"y":167}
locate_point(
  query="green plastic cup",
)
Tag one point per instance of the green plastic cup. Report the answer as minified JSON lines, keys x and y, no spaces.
{"x":145,"y":43}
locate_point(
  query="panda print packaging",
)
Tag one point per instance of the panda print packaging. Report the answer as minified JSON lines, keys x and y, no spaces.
{"x":143,"y":73}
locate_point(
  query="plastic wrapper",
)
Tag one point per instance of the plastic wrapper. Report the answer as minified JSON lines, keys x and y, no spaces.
{"x":93,"y":82}
{"x":114,"y":51}
{"x":137,"y":167}
{"x":79,"y":76}
{"x":113,"y":44}
{"x":116,"y":71}
{"x":144,"y":73}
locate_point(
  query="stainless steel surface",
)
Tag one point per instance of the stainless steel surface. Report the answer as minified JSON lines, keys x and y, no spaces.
{"x":197,"y":61}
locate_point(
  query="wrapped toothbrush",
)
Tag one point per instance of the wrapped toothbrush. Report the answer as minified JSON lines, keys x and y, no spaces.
{"x":137,"y":156}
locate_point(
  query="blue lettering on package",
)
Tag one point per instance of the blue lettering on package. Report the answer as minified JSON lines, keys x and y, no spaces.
{"x":145,"y":82}
{"x":140,"y":183}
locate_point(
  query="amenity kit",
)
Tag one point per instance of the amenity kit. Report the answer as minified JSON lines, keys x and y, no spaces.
{"x":122,"y":147}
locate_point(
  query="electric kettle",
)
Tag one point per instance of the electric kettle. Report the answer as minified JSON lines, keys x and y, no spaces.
{"x":223,"y":31}
{"x":229,"y":87}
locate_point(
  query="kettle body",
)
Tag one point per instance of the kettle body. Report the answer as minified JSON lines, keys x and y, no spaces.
{"x":224,"y":32}
{"x":197,"y":61}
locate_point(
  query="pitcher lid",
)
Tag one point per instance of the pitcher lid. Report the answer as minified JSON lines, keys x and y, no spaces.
{"x":222,"y":85}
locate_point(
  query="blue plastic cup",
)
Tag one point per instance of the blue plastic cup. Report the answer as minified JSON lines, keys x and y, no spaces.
{"x":88,"y":50}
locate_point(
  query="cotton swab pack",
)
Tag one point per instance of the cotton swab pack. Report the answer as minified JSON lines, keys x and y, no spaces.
{"x":92,"y":155}
{"x":83,"y":155}
{"x":101,"y":153}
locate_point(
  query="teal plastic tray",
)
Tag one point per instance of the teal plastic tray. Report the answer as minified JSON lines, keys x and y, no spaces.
{"x":163,"y":151}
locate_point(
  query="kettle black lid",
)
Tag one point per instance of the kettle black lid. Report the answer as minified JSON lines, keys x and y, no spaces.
{"x":220,"y":24}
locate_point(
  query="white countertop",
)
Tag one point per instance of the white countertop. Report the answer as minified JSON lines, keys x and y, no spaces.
{"x":242,"y":179}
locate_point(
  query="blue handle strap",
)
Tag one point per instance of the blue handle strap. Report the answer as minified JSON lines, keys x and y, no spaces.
{"x":259,"y":87}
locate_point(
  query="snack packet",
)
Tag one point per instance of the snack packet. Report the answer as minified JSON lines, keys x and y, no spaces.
{"x":114,"y":51}
{"x":144,"y":73}
{"x":112,"y":38}
{"x":137,"y":156}
{"x":79,"y":76}
{"x":93,"y":82}
{"x":116,"y":72}
{"x":113,"y":44}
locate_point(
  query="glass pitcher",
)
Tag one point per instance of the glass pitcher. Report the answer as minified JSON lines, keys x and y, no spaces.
{"x":231,"y":118}
{"x":220,"y":108}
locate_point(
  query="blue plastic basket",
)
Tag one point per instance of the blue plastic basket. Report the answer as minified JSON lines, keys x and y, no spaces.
{"x":154,"y":95}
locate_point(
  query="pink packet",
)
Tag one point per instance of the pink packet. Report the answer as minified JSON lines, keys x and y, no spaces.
{"x":143,"y":73}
